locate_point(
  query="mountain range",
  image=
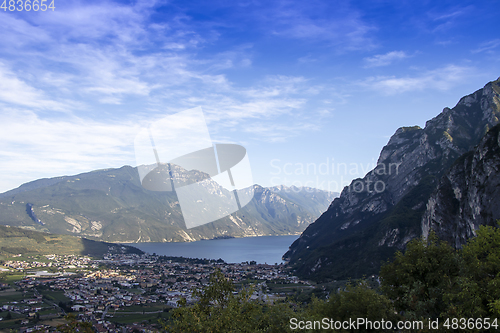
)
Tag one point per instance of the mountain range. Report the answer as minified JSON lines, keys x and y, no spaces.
{"x":112,"y":206}
{"x":443,"y":177}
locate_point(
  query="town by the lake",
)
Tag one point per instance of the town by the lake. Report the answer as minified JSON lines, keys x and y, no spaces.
{"x":122,"y":292}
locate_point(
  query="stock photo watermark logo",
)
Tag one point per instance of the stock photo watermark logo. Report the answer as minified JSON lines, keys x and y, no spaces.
{"x":211,"y":180}
{"x":374,"y":180}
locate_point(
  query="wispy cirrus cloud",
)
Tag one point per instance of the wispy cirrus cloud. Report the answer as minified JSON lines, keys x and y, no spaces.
{"x":340,"y":26}
{"x":89,"y":59}
{"x":440,"y":21}
{"x":106,"y":51}
{"x":37,"y":146}
{"x":488,"y":46}
{"x":14,"y":90}
{"x":386,"y":59}
{"x":261,"y":71}
{"x":442,"y":78}
{"x":274,"y":96}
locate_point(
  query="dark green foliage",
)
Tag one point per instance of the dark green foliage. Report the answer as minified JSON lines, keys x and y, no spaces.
{"x":355,"y":301}
{"x":432,"y":280}
{"x":219,"y":310}
{"x":418,"y":280}
{"x":477,"y":292}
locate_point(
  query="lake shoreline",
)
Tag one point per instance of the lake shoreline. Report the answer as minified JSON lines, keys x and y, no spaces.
{"x":208,"y":239}
{"x":262,"y":249}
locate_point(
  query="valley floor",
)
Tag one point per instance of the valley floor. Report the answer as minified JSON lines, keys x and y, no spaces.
{"x":132,"y":291}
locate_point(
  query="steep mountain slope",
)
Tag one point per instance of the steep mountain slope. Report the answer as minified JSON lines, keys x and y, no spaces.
{"x":112,"y":205}
{"x":379,"y":214}
{"x":468,"y":195}
{"x":15,"y":241}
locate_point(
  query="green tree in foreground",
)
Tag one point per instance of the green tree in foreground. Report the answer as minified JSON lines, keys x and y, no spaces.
{"x":432,"y":280}
{"x":418,"y":280}
{"x":356,"y":301}
{"x":477,"y":292}
{"x":219,"y":310}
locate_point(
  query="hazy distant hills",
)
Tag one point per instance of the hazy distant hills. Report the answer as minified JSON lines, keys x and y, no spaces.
{"x":111,"y":205}
{"x":14,"y":241}
{"x":443,"y":177}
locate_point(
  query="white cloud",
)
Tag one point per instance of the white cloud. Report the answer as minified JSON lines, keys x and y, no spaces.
{"x":445,"y":21}
{"x":19,"y":34}
{"x":443,"y":79}
{"x":105,"y":51}
{"x":32,"y":147}
{"x":449,"y":15}
{"x":109,"y":61}
{"x":16,"y":91}
{"x":384,"y":59}
{"x":487,"y":46}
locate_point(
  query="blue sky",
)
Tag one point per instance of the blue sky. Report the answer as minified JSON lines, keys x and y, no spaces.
{"x":300,"y":84}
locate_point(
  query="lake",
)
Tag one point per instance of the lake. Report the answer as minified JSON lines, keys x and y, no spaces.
{"x":264,"y":249}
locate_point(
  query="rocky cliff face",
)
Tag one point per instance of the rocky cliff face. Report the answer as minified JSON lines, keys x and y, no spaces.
{"x":468,"y":195}
{"x":380,"y":213}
